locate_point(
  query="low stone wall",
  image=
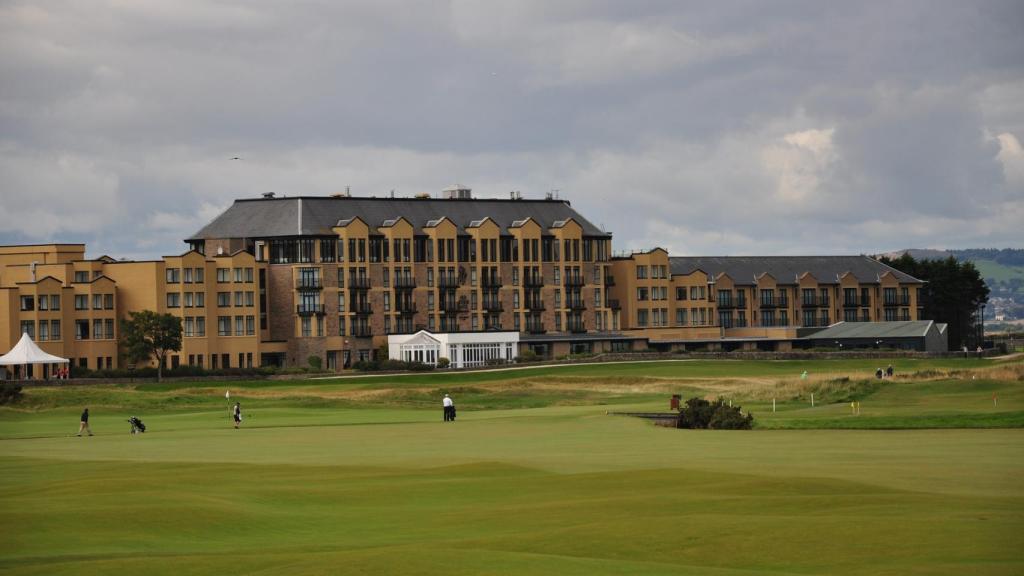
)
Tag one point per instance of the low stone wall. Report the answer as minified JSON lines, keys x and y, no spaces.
{"x":166,"y":379}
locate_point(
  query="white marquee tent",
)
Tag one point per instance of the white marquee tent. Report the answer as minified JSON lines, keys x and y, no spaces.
{"x":26,"y":352}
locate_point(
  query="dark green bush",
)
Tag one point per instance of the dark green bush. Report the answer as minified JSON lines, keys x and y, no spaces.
{"x":315,"y":362}
{"x":443,"y":362}
{"x":699,"y":413}
{"x":390,"y":365}
{"x":10,"y":392}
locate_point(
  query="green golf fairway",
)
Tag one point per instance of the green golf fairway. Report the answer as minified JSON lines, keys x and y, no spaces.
{"x":345,"y":488}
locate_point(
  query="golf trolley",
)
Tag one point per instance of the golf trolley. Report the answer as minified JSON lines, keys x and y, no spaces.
{"x":137,"y":426}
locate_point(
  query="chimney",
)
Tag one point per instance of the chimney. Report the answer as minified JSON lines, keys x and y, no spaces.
{"x":32,"y":270}
{"x":268,"y":194}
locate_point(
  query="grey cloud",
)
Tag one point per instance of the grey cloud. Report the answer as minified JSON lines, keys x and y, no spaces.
{"x":734,"y":127}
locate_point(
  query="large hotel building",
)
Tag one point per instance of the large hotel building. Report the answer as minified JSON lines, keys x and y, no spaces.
{"x":275,"y":280}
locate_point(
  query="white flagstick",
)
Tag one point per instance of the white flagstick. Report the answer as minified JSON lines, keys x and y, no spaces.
{"x":812,"y":399}
{"x":773,"y":405}
{"x":227,"y":394}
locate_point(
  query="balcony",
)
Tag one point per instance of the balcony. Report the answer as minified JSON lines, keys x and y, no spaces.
{"x":574,"y":281}
{"x":533,"y":280}
{"x":452,"y":307}
{"x":892,"y":302}
{"x":575,"y":327}
{"x":729,"y":304}
{"x":534,"y":305}
{"x":406,"y":310}
{"x":535,"y":327}
{"x":609,"y":281}
{"x":814,"y":303}
{"x":613,"y":303}
{"x":493,"y":306}
{"x":490,"y":282}
{"x":308,"y":283}
{"x":359,"y":283}
{"x":361,"y":332}
{"x":857,"y":303}
{"x":310,"y":309}
{"x":576,"y":304}
{"x":405,"y":282}
{"x":448,"y":282}
{"x":361,"y":308}
{"x":771,"y":304}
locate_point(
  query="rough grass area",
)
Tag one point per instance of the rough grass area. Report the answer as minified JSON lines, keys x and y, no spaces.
{"x":360,"y":476}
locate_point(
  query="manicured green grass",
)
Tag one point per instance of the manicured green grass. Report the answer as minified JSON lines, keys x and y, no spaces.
{"x":528,"y":480}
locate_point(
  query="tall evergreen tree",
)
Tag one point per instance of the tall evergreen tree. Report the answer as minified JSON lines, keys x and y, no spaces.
{"x":953,"y":293}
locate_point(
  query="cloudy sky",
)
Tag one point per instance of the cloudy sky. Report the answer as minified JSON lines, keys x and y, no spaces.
{"x":706,"y":128}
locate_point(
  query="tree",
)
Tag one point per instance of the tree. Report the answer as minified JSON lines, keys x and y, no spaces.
{"x":953,"y":293}
{"x":146,"y":335}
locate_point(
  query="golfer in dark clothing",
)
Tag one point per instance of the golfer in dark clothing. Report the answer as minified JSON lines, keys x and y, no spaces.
{"x":236,"y":414}
{"x":84,"y":424}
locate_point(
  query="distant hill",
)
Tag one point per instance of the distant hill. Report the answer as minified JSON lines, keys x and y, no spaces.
{"x":921,"y":254}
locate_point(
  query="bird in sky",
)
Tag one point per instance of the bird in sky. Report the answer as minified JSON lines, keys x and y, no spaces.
{"x":236,"y":158}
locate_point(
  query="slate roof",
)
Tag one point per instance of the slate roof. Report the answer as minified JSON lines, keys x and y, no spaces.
{"x":787,"y":269}
{"x":314,"y":216}
{"x":900,"y":329}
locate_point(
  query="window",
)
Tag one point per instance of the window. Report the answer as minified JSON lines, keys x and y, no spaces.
{"x":387,"y":301}
{"x":681,"y":317}
{"x":223,"y":274}
{"x":641,"y":318}
{"x":341,"y":301}
{"x":81,"y":302}
{"x":430,"y":301}
{"x":199,"y":278}
{"x":54,"y":329}
{"x":189,"y":300}
{"x":239,"y":299}
{"x":341,"y":325}
{"x":223,"y":299}
{"x":238,"y":275}
{"x":224,"y":325}
{"x":641,"y":294}
{"x":81,"y":329}
{"x":28,"y":303}
{"x":82,"y":276}
{"x":173,"y":300}
{"x":515,"y":302}
{"x":28,"y":327}
{"x":680,"y":293}
{"x":97,"y":329}
{"x":641,"y":272}
{"x":44,"y":303}
{"x":190,"y":327}
{"x":200,"y":300}
{"x":173,"y":275}
{"x":307,"y":327}
{"x":55,"y":301}
{"x":200,"y":326}
{"x":108,"y":301}
{"x":248,"y":276}
{"x":239,"y":326}
{"x":187,"y":275}
{"x":250,"y":325}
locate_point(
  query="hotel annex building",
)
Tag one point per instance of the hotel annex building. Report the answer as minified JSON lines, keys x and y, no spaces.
{"x":275,"y":280}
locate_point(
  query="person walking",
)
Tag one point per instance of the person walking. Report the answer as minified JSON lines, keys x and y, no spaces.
{"x":449,"y":408}
{"x":84,"y":423}
{"x":889,"y":371}
{"x":236,"y":414}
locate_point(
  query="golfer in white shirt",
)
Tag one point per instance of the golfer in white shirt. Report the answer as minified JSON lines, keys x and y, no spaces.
{"x":449,"y":409}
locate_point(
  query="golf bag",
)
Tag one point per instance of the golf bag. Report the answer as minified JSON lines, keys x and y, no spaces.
{"x":137,"y":426}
